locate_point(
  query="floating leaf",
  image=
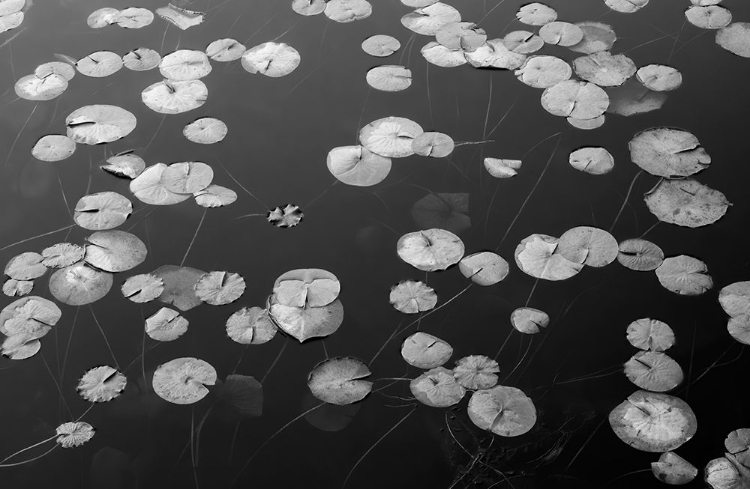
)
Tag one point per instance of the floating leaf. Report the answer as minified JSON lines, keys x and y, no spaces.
{"x":595,"y":161}
{"x":74,"y":434}
{"x":179,"y":286}
{"x":735,"y":38}
{"x":389,"y":78}
{"x":686,"y":203}
{"x":726,"y":473}
{"x":243,"y":394}
{"x":149,"y":189}
{"x":561,"y":33}
{"x":183,"y":380}
{"x":271,"y":59}
{"x":429,"y":19}
{"x":358,"y":166}
{"x":505,"y":411}
{"x":31,"y":315}
{"x":626,"y":7}
{"x":578,"y":99}
{"x":425,"y":351}
{"x":431,"y":249}
{"x":484,"y":268}
{"x":219,"y":288}
{"x":673,"y":469}
{"x":739,"y":328}
{"x":20,"y":346}
{"x":536,"y":256}
{"x":586,"y":124}
{"x":205,"y":130}
{"x":476,"y":372}
{"x":251,"y":326}
{"x":99,"y":64}
{"x":446,"y":211}
{"x":11,"y":21}
{"x":31,"y":87}
{"x":437,"y":388}
{"x":125,"y":165}
{"x":650,"y":335}
{"x":166,"y":325}
{"x":439,"y":55}
{"x":345,"y":11}
{"x":142,"y":288}
{"x":8,"y":7}
{"x":738,"y":444}
{"x":26,"y":266}
{"x":175,"y":97}
{"x":225,"y":50}
{"x":528,"y":320}
{"x":17,"y":288}
{"x":708,"y":17}
{"x":57,"y":68}
{"x":79,"y":284}
{"x":303,"y":323}
{"x":310,"y":287}
{"x":684,"y":275}
{"x":412,"y":297}
{"x":502,"y":168}
{"x":62,"y":255}
{"x":288,"y":217}
{"x":379,"y":45}
{"x":96,"y":124}
{"x":53,"y":147}
{"x":604,"y":69}
{"x":653,"y":371}
{"x":134,"y":18}
{"x":596,"y":37}
{"x":590,"y":246}
{"x":102,"y":210}
{"x":659,"y":78}
{"x":180,"y":17}
{"x":101,"y":384}
{"x":215,"y":196}
{"x":102,"y":17}
{"x":494,"y":54}
{"x":461,"y":35}
{"x":185,"y":64}
{"x":653,"y":422}
{"x":390,"y":137}
{"x":339,"y":381}
{"x":667,"y":152}
{"x":309,"y":7}
{"x":523,"y":42}
{"x":433,"y":144}
{"x":735,"y":299}
{"x":187,"y":177}
{"x":115,"y":251}
{"x":536,"y":13}
{"x":640,"y":255}
{"x":543,"y":71}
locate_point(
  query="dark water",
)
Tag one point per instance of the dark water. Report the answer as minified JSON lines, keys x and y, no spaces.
{"x":280,"y":131}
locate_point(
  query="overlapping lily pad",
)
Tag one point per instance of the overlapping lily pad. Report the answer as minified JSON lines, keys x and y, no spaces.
{"x":437,"y":388}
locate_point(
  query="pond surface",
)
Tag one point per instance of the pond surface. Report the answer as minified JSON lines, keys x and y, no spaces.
{"x":280,"y":132}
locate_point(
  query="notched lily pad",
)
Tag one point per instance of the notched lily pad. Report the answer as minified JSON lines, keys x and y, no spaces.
{"x":425,"y":351}
{"x":101,"y":384}
{"x":502,"y":410}
{"x":340,"y":381}
{"x":183,"y":380}
{"x":437,"y":388}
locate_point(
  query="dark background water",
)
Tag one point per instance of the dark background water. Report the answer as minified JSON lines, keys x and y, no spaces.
{"x":280,"y":131}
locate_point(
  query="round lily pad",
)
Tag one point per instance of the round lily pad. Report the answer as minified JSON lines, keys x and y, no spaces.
{"x":412,"y":297}
{"x":528,"y":320}
{"x":588,"y":245}
{"x":251,"y":326}
{"x":650,"y":334}
{"x":431,"y":249}
{"x":307,"y":286}
{"x":437,"y":388}
{"x":340,"y":381}
{"x":304,"y":323}
{"x":684,"y":275}
{"x":102,"y":211}
{"x":101,"y":384}
{"x":484,"y":268}
{"x":79,"y":284}
{"x":686,"y":203}
{"x":476,"y":372}
{"x":219,"y":288}
{"x":537,"y":256}
{"x":639,"y":255}
{"x":502,"y":410}
{"x":74,"y":434}
{"x":26,"y":266}
{"x":115,"y":251}
{"x":653,"y":371}
{"x":425,"y":351}
{"x":183,"y":380}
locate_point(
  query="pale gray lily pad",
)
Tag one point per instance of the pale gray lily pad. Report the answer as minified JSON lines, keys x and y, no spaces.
{"x":340,"y":380}
{"x":390,"y":137}
{"x":425,"y":351}
{"x":115,"y":251}
{"x":26,"y":266}
{"x":126,"y":165}
{"x":20,"y":346}
{"x":494,"y":54}
{"x":17,"y":288}
{"x":288,"y":217}
{"x":433,"y":144}
{"x":215,"y":196}
{"x":587,"y":124}
{"x":439,"y":55}
{"x":271,"y":59}
{"x":31,"y":87}
{"x":101,"y":384}
{"x":345,"y":11}
{"x":626,"y":6}
{"x":134,"y":18}
{"x":431,"y":249}
{"x":102,"y":210}
{"x":302,"y":287}
{"x":358,"y":166}
{"x":604,"y":69}
{"x":461,"y":35}
{"x":79,"y":284}
{"x":8,"y":7}
{"x":596,"y":37}
{"x":536,"y":13}
{"x":735,"y":38}
{"x":149,"y":189}
{"x":179,"y":286}
{"x":141,"y":59}
{"x":735,"y":299}
{"x":739,"y":328}
{"x":30,"y":315}
{"x":561,"y":33}
{"x":219,"y":288}
{"x":251,"y":326}
{"x":578,"y":99}
{"x":592,"y":160}
{"x":653,"y":422}
{"x":543,"y":71}
{"x":502,"y":168}
{"x":448,"y":211}
{"x":187,"y":177}
{"x":537,"y":256}
{"x":74,"y":434}
{"x":182,"y":18}
{"x":650,"y":335}
{"x":11,"y":21}
{"x":667,"y":152}
{"x":185,"y":64}
{"x":659,"y":78}
{"x":640,"y":255}
{"x":738,"y":444}
{"x":437,"y":388}
{"x":175,"y":97}
{"x":528,"y":320}
{"x":183,"y":380}
{"x":53,"y":147}
{"x":166,"y":325}
{"x":142,"y":288}
{"x":303,"y":323}
{"x":225,"y":50}
{"x":96,"y":124}
{"x":589,"y":246}
{"x":708,"y":17}
{"x":206,"y":130}
{"x":429,"y":19}
{"x":412,"y":297}
{"x":309,"y":7}
{"x":654,"y":371}
{"x":684,"y":275}
{"x":502,"y":410}
{"x":686,"y":203}
{"x":476,"y":372}
{"x":99,"y":64}
{"x":484,"y":268}
{"x":523,"y":42}
{"x":727,"y":473}
{"x":379,"y":45}
{"x":673,"y":469}
{"x":389,"y":78}
{"x":65,"y":70}
{"x":62,"y":255}
{"x":102,"y":17}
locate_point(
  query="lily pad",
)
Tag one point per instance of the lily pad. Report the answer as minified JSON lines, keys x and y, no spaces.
{"x":429,"y":19}
{"x":495,"y":54}
{"x":142,"y":288}
{"x":134,"y":18}
{"x":125,"y":165}
{"x":141,"y":59}
{"x":288,"y":217}
{"x":26,"y":266}
{"x":604,"y":69}
{"x":115,"y":251}
{"x":425,"y":351}
{"x":183,"y":380}
{"x":271,"y":59}
{"x":735,"y":299}
{"x":684,"y":275}
{"x":640,"y":255}
{"x":431,"y":249}
{"x":99,"y":64}
{"x":179,"y":286}
{"x":206,"y":130}
{"x":180,"y":17}
{"x":461,"y":35}
{"x":561,"y":33}
{"x":309,"y":7}
{"x":673,"y":469}
{"x":439,"y":55}
{"x":340,"y":381}
{"x":17,"y":288}
{"x":433,"y":144}
{"x":650,"y":335}
{"x":654,"y":371}
{"x":588,"y":245}
{"x":185,"y":64}
{"x":74,"y":434}
{"x":667,"y":152}
{"x":476,"y":372}
{"x":389,"y":78}
{"x":380,"y":45}
{"x":219,"y":288}
{"x":502,"y":410}
{"x":187,"y":177}
{"x":62,"y":255}
{"x":30,"y":315}
{"x":53,"y":147}
{"x":484,"y":268}
{"x":437,"y":388}
{"x":20,"y":346}
{"x":659,"y":78}
{"x":735,"y":38}
{"x":502,"y":168}
{"x":31,"y":87}
{"x":686,"y":203}
{"x":102,"y":211}
{"x":412,"y":297}
{"x":96,"y":124}
{"x":596,"y":37}
{"x":358,"y":166}
{"x":448,"y":211}
{"x":578,"y":99}
{"x":303,"y":323}
{"x":708,"y":17}
{"x":543,"y":71}
{"x":528,"y":320}
{"x":310,"y":287}
{"x":345,"y":11}
{"x":79,"y":284}
{"x":166,"y":325}
{"x":251,"y":326}
{"x":243,"y":394}
{"x":175,"y":97}
{"x":149,"y":189}
{"x":738,"y":444}
{"x":626,"y":7}
{"x":536,"y":13}
{"x":592,"y":160}
{"x":390,"y":137}
{"x":101,"y":384}
{"x":537,"y":256}
{"x":225,"y":50}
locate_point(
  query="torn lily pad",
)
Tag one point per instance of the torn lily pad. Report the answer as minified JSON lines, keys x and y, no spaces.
{"x":476,"y":372}
{"x":180,"y":17}
{"x":74,"y":434}
{"x":251,"y":326}
{"x":288,"y":217}
{"x":101,"y":384}
{"x":31,"y":315}
{"x":684,"y":275}
{"x":412,"y":297}
{"x":166,"y":325}
{"x":528,"y":320}
{"x":142,"y":288}
{"x":219,"y":288}
{"x":431,"y":249}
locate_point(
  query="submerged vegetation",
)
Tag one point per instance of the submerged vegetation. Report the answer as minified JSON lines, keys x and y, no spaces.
{"x":469,"y":350}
